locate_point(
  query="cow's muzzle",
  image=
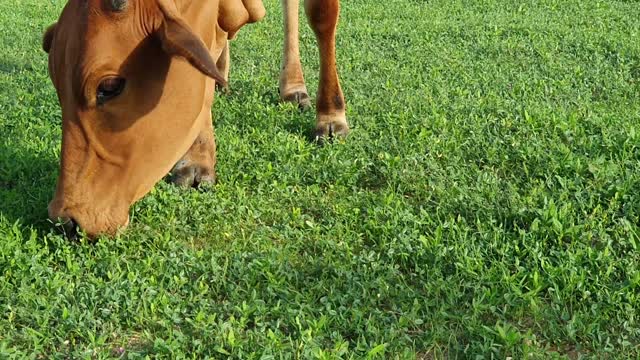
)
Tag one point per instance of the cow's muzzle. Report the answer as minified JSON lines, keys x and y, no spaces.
{"x":67,"y":226}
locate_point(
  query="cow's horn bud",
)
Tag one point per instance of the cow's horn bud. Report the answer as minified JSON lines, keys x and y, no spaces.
{"x":118,"y":5}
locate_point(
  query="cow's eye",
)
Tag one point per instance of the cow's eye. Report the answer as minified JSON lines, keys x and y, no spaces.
{"x":109,"y":88}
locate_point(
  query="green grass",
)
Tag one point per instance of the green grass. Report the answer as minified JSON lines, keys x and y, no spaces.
{"x":486,"y":205}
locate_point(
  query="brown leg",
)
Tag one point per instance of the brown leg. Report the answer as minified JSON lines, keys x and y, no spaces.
{"x":224,"y":64}
{"x":197,"y":166}
{"x":292,"y":87}
{"x":331,"y":117}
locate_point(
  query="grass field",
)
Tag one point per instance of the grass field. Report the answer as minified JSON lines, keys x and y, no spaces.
{"x":486,"y":205}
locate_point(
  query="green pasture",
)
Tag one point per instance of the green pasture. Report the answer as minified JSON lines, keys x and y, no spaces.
{"x":485,"y":206}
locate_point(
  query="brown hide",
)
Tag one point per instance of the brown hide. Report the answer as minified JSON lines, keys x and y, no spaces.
{"x":135,"y":80}
{"x":235,"y":13}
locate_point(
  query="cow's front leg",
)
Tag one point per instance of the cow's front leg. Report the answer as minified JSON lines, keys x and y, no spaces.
{"x":197,"y":166}
{"x":331,"y":117}
{"x":292,"y":86}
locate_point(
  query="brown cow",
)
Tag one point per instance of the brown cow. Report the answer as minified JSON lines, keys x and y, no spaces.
{"x":135,"y":80}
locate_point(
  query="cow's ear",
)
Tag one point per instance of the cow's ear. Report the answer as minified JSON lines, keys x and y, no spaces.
{"x":177,"y":39}
{"x":47,"y":38}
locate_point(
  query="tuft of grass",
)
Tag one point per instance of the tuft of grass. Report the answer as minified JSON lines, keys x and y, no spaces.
{"x":486,"y":205}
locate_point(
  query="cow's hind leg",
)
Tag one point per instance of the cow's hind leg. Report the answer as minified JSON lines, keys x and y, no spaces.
{"x":197,"y":166}
{"x":292,"y":86}
{"x":331,"y":117}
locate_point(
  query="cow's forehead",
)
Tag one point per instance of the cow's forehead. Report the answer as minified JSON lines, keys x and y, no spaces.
{"x":85,"y":40}
{"x":102,"y":5}
{"x":84,"y":21}
{"x":90,"y":10}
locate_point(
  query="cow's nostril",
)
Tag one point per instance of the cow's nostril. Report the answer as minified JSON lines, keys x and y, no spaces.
{"x":68,"y":227}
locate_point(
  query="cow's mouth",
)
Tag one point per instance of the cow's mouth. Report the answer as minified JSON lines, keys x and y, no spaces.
{"x":68,"y":227}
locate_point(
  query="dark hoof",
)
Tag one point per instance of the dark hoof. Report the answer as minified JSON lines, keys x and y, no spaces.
{"x":192,"y":176}
{"x":300,"y":98}
{"x":331,"y":130}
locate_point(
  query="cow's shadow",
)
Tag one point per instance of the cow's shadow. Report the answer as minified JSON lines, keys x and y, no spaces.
{"x":27,"y":181}
{"x":11,"y":66}
{"x":27,"y":174}
{"x":292,"y":119}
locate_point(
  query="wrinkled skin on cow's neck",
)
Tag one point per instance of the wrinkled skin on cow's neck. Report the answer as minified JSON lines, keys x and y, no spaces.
{"x":158,"y":57}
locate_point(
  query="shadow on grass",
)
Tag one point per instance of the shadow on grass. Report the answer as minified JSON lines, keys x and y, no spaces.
{"x":27,"y":173}
{"x":13,"y":66}
{"x":301,"y":126}
{"x":27,"y":181}
{"x":299,"y":122}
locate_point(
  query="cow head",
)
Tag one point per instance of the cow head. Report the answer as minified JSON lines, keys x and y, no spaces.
{"x":130,"y":77}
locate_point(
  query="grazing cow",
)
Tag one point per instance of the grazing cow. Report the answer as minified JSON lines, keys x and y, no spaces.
{"x":135,"y":80}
